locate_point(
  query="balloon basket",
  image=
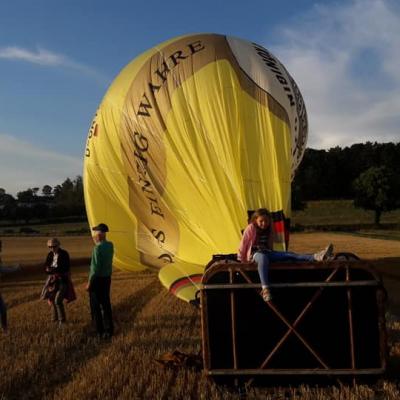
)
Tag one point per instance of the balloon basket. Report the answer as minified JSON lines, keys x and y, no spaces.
{"x":325,"y":320}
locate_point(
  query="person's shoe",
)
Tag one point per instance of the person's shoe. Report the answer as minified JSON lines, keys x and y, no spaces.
{"x":266,"y":294}
{"x":324,"y":254}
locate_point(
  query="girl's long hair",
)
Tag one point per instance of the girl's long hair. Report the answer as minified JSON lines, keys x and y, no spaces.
{"x":261,"y":212}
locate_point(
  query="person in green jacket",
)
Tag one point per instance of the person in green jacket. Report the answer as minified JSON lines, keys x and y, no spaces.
{"x":99,"y":282}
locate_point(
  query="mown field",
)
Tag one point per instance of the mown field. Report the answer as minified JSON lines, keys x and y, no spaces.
{"x":340,"y":212}
{"x":39,"y":360}
{"x":323,"y":213}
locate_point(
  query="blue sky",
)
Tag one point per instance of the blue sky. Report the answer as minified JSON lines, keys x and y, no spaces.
{"x":57,"y":59}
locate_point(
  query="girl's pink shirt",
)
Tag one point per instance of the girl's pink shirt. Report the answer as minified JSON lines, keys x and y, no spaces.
{"x":248,"y":239}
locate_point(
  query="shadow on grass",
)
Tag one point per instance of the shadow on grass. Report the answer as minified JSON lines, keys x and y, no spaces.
{"x":393,"y":369}
{"x":389,"y":266}
{"x":389,"y":269}
{"x":65,"y":361}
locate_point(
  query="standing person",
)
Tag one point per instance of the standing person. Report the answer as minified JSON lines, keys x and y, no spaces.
{"x":58,"y":285}
{"x":3,"y":313}
{"x":256,"y":245}
{"x":99,"y":283}
{"x":3,"y":306}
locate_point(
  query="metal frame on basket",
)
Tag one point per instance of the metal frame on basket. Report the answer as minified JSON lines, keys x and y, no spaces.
{"x":292,"y":327}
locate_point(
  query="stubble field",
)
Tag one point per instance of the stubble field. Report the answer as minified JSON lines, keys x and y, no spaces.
{"x":39,"y":360}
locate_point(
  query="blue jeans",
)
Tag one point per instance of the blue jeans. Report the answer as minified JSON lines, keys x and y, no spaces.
{"x":265,"y":257}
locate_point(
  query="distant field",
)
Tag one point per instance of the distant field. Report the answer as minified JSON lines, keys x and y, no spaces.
{"x":40,"y":361}
{"x":386,"y":234}
{"x":339,"y":212}
{"x":31,"y":250}
{"x":56,"y":229}
{"x":324,"y":213}
{"x":28,"y":250}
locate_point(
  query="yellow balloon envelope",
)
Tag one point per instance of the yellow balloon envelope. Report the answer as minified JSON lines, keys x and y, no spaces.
{"x":190,"y":135}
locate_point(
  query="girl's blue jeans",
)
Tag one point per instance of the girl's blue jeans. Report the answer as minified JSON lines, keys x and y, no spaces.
{"x":265,"y":257}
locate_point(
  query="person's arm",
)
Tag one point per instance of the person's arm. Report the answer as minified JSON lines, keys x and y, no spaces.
{"x":95,"y":263}
{"x":245,"y":244}
{"x":47,"y":263}
{"x":63,"y":263}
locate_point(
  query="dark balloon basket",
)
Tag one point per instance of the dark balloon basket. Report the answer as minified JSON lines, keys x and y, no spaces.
{"x":325,"y":320}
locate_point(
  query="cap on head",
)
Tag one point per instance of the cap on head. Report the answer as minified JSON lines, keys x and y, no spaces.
{"x":53,"y":242}
{"x":100,"y":228}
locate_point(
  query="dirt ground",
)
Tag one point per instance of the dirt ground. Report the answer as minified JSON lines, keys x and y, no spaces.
{"x":32,"y":250}
{"x":365,"y":248}
{"x":27,"y":250}
{"x":384,"y":255}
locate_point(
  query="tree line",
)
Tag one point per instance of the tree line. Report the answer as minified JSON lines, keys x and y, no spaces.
{"x":60,"y":201}
{"x":368,"y":173}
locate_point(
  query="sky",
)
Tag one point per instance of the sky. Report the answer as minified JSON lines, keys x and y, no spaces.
{"x":58,"y":57}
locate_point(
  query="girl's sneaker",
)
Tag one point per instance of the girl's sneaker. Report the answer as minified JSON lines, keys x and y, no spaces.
{"x":266,"y":294}
{"x":324,"y":254}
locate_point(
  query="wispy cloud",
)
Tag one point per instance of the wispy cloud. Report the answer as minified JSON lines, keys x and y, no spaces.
{"x":345,"y":58}
{"x":25,"y":165}
{"x":41,"y":56}
{"x":48,"y":58}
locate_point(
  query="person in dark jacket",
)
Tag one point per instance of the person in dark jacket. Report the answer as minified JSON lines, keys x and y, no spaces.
{"x":99,"y":282}
{"x":3,"y":306}
{"x":58,"y":284}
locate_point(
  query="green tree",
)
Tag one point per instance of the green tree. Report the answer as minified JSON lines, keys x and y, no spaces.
{"x":26,"y":196}
{"x":297,"y":199}
{"x":7,"y":205}
{"x":47,"y":190}
{"x":377,"y":189}
{"x":68,"y":198}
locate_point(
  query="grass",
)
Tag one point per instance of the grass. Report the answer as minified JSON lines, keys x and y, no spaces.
{"x":41,"y":361}
{"x":340,"y":212}
{"x":54,"y":229}
{"x":386,"y":234}
{"x":31,"y":250}
{"x":331,"y":215}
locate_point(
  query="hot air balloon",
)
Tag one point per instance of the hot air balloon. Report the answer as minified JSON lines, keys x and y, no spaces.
{"x":191,"y":135}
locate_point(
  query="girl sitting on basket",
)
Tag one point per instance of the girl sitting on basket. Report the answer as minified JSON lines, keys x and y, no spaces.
{"x":256,"y":245}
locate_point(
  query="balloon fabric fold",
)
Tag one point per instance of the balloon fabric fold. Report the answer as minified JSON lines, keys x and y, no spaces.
{"x":190,"y":135}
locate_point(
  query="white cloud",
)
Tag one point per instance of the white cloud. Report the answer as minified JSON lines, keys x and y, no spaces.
{"x":345,"y":58}
{"x":41,"y":56}
{"x":47,"y":58}
{"x":24,"y":165}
